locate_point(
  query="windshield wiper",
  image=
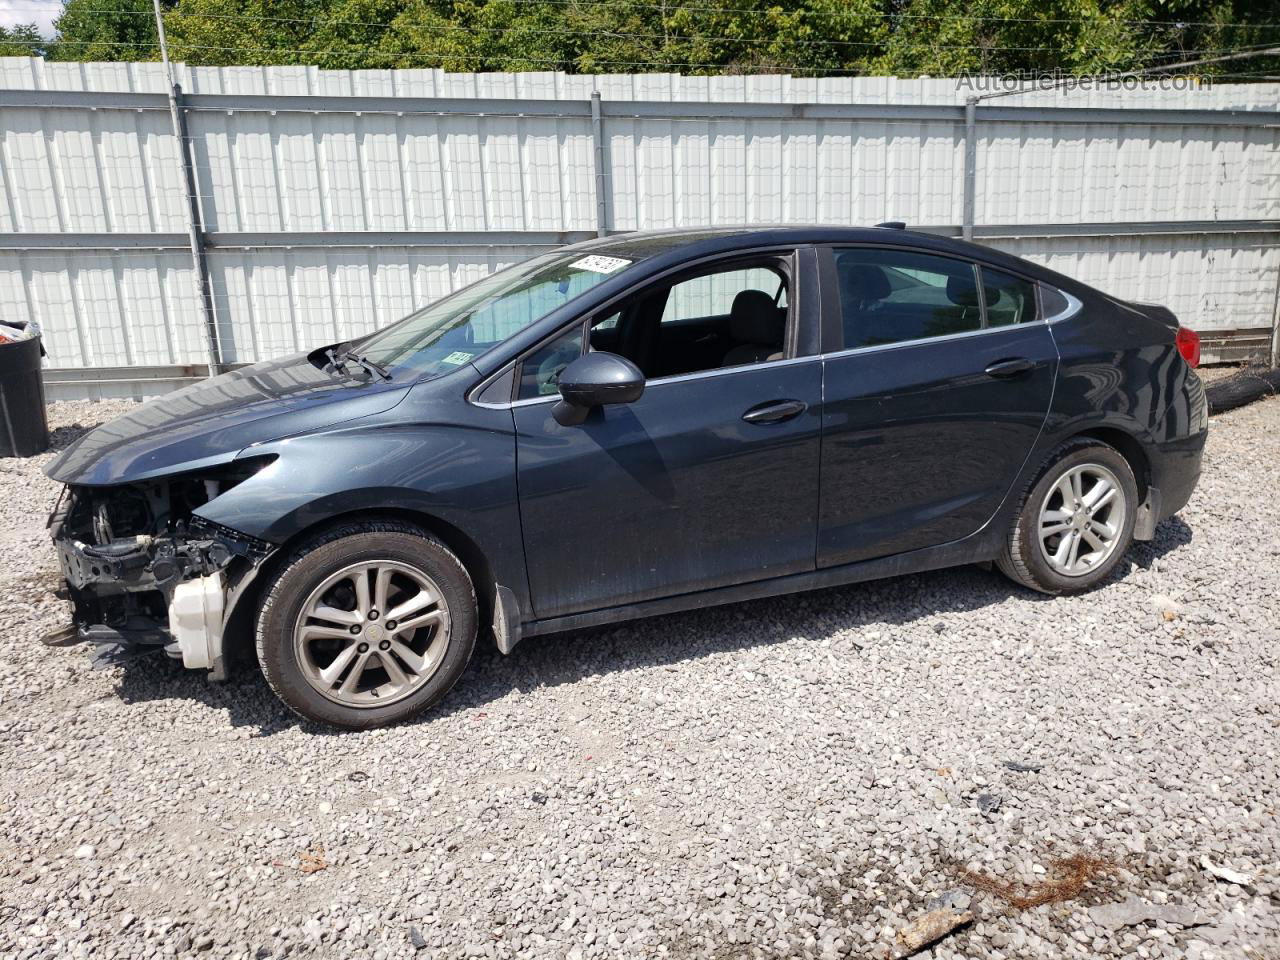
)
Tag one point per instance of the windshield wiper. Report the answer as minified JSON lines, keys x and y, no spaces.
{"x":340,"y":356}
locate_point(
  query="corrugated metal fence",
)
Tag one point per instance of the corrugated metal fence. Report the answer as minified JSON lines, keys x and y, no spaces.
{"x":331,"y":202}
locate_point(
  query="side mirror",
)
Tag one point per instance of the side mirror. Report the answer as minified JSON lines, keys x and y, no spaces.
{"x":595,"y":379}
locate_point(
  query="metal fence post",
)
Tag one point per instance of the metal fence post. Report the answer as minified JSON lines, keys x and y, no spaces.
{"x":970,"y":166}
{"x":195,"y":225}
{"x":1274,"y":357}
{"x":602,"y":173}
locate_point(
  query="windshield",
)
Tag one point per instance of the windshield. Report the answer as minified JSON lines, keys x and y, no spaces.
{"x":457,"y":329}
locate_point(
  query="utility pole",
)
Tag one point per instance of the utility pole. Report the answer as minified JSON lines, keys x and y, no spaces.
{"x":1273,"y":355}
{"x":602,"y":172}
{"x":970,"y":167}
{"x":195,"y":227}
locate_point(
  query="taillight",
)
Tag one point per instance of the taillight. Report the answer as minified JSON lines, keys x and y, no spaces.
{"x":1188,"y":342}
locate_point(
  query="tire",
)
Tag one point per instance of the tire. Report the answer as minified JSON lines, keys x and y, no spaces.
{"x":1038,"y":562}
{"x":322,"y":650}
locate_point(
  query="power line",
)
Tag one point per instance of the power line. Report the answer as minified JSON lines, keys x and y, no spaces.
{"x":1131,"y":74}
{"x":670,"y":9}
{"x":453,"y":27}
{"x":567,"y":61}
{"x":557,"y":63}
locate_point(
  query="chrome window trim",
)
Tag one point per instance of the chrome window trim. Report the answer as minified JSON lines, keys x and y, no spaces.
{"x":1073,"y":307}
{"x":782,"y":252}
{"x":964,"y":335}
{"x":483,"y":404}
{"x":682,"y":377}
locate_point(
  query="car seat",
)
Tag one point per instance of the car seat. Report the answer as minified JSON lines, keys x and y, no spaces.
{"x":757,"y":326}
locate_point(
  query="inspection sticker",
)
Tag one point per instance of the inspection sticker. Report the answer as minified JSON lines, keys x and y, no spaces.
{"x":457,"y":358}
{"x":598,"y":264}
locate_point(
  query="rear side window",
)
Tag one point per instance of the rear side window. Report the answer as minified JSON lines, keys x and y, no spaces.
{"x":1009,"y":299}
{"x":888,"y":296}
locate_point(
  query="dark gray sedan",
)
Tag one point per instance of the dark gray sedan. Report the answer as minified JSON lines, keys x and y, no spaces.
{"x":625,"y":428}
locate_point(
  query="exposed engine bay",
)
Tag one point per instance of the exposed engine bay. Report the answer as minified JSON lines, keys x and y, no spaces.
{"x":144,"y":573}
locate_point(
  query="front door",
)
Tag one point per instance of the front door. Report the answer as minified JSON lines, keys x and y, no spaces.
{"x":709,"y":479}
{"x":933,"y":406}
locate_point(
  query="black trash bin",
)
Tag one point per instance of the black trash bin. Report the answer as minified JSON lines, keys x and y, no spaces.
{"x":24,"y":428}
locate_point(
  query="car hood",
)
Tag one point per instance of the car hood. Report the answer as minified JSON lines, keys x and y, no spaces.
{"x":212,"y":421}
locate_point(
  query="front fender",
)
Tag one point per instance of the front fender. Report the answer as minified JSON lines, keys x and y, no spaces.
{"x":461,"y":474}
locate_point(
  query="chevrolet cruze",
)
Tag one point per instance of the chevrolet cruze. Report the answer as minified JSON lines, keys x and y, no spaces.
{"x":622,"y":428}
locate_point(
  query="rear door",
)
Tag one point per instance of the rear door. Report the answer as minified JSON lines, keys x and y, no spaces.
{"x":933,"y":400}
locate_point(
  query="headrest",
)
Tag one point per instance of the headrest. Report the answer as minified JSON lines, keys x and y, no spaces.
{"x":755,"y":318}
{"x":962,"y":291}
{"x":864,"y":283}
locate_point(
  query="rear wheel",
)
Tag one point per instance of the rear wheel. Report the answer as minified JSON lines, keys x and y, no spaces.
{"x":366,"y":625}
{"x":1076,"y":521}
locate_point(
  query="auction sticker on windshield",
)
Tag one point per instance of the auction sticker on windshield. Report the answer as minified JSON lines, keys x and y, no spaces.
{"x":599,"y":264}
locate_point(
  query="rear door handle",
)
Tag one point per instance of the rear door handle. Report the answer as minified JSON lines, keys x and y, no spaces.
{"x":775,"y":412}
{"x":1013,"y":367}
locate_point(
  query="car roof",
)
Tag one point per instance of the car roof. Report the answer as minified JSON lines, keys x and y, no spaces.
{"x":654,"y":252}
{"x":661,"y":247}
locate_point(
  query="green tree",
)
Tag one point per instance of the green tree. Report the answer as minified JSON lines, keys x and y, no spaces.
{"x":229,"y":32}
{"x":23,"y":40}
{"x":105,"y":30}
{"x":803,"y":37}
{"x":946,"y":37}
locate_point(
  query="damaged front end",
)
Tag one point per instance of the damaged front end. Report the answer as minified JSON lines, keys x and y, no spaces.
{"x":144,"y":572}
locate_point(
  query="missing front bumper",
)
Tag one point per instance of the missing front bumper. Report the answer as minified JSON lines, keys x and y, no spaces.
{"x":142,"y":595}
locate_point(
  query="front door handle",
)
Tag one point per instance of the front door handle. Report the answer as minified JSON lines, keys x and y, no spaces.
{"x":775,"y":412}
{"x":1014,"y":367}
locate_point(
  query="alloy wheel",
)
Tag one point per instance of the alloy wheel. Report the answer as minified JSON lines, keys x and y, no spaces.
{"x":372,"y":633}
{"x":1081,"y":520}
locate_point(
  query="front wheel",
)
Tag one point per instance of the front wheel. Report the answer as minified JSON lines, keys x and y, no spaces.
{"x":366,"y":625}
{"x":1076,"y":521}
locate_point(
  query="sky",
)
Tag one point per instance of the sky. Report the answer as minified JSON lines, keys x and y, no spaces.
{"x":42,"y":12}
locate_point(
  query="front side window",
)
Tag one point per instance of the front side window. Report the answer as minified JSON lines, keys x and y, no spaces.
{"x":713,"y":294}
{"x":461,"y":327}
{"x":723,"y":317}
{"x":540,"y":370}
{"x":888,"y":296}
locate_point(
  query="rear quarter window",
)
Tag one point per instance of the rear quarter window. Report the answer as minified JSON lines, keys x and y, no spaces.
{"x":1053,"y":302}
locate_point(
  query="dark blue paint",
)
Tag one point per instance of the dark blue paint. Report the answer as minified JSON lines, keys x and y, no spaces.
{"x":210,"y":422}
{"x":1120,"y":371}
{"x":433,"y":455}
{"x":672,"y":493}
{"x":920,"y":445}
{"x":887,"y":460}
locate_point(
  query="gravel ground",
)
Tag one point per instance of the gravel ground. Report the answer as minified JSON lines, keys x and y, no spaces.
{"x":795,"y":777}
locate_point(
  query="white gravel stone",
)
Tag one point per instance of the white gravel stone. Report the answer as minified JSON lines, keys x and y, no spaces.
{"x":796,"y":777}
